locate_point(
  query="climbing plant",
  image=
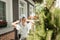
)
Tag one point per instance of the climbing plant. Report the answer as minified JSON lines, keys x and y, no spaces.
{"x":49,"y":21}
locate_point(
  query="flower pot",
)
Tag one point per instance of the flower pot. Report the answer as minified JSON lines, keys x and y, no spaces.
{"x":3,"y":24}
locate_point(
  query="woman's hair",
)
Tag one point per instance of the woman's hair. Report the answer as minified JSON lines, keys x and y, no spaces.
{"x":23,"y":17}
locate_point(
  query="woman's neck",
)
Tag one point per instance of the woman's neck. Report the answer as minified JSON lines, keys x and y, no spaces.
{"x":23,"y":24}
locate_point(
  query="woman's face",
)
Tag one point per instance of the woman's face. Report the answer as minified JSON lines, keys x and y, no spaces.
{"x":23,"y":20}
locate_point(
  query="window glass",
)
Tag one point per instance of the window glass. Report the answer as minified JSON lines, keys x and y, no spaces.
{"x":30,"y":9}
{"x":2,"y":11}
{"x":21,"y":8}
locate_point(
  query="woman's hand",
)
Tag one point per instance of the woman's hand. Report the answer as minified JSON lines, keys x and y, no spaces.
{"x":15,"y":23}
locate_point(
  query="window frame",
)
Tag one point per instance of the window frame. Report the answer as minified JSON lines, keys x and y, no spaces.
{"x":24,"y":8}
{"x":3,"y":16}
{"x":31,"y":9}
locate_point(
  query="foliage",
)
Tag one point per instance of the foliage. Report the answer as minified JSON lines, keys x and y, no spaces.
{"x":57,"y":17}
{"x":47,"y":20}
{"x":49,"y":3}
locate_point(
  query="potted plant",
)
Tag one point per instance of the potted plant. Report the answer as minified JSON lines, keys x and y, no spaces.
{"x":3,"y":23}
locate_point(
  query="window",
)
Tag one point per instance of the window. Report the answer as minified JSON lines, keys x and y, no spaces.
{"x":30,"y":9}
{"x":2,"y":11}
{"x":22,"y":9}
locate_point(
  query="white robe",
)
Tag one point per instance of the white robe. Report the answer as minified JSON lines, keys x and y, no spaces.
{"x":23,"y":30}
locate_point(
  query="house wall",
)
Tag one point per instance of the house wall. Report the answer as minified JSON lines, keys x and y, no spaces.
{"x":31,"y":2}
{"x":9,"y":11}
{"x":15,"y":10}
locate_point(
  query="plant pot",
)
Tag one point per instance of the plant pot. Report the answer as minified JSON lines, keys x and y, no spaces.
{"x":3,"y":24}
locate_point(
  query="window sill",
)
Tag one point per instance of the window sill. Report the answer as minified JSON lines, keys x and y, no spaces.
{"x":6,"y":30}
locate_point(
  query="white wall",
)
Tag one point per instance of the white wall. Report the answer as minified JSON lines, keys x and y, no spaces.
{"x":9,"y":11}
{"x":57,"y":3}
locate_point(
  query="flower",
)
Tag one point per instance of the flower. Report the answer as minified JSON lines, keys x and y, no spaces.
{"x":3,"y":23}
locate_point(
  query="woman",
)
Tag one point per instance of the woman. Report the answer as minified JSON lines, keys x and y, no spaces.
{"x":22,"y":28}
